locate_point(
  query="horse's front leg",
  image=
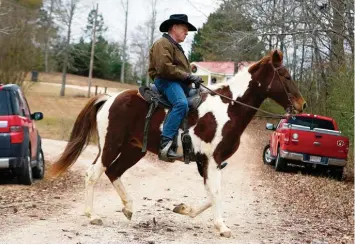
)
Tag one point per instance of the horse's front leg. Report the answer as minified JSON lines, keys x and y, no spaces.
{"x":213,"y":187}
{"x":190,"y":210}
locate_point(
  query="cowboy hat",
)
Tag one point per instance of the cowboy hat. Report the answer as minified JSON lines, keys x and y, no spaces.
{"x":176,"y":19}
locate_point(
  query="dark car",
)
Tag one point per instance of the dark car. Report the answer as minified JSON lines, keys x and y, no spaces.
{"x":20,"y":144}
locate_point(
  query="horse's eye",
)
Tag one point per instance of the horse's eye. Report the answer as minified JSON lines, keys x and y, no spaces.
{"x":288,"y":77}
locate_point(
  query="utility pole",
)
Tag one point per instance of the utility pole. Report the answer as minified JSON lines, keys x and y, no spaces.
{"x":125,"y":8}
{"x":93,"y":49}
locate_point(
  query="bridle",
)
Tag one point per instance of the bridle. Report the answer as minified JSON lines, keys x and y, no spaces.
{"x":276,"y":71}
{"x":289,"y":110}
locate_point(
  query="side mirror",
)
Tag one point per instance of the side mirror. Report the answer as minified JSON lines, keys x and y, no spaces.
{"x":37,"y":116}
{"x":270,"y":126}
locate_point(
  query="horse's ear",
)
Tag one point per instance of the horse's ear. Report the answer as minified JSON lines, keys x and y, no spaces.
{"x":277,"y":57}
{"x":254,"y":67}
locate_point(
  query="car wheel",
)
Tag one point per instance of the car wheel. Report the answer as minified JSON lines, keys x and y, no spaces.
{"x":26,"y":177}
{"x":337,"y":173}
{"x":38,"y":171}
{"x":267,"y":159}
{"x":280,"y":164}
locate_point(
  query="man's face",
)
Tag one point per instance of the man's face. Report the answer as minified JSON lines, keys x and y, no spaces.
{"x":180,"y":32}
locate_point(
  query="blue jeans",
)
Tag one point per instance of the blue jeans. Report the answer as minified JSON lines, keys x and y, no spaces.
{"x":175,"y":92}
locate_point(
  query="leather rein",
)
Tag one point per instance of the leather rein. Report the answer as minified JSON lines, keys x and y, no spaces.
{"x":274,"y":115}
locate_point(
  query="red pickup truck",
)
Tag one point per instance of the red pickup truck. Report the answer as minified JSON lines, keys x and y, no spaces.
{"x":309,"y":140}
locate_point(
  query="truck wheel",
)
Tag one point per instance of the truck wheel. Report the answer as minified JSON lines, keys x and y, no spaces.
{"x":267,"y":156}
{"x":280,"y":164}
{"x":337,"y":173}
{"x":38,"y":171}
{"x":25,"y":177}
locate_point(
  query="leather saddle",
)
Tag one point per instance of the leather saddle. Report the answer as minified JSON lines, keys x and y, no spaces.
{"x":151,"y":94}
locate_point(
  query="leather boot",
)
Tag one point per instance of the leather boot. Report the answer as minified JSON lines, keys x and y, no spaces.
{"x":165,"y":151}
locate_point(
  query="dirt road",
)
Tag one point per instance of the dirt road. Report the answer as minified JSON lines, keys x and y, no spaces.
{"x":56,"y":215}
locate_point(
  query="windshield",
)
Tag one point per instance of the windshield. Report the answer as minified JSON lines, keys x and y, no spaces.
{"x":311,"y":122}
{"x":4,"y":103}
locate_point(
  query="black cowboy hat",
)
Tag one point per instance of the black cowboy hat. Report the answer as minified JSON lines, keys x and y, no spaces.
{"x":176,"y":19}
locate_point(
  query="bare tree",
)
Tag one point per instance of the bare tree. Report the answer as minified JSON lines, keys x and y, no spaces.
{"x":152,"y":25}
{"x":124,"y":56}
{"x":93,"y":42}
{"x":140,"y":47}
{"x":18,"y":53}
{"x":66,"y":16}
{"x":49,"y":29}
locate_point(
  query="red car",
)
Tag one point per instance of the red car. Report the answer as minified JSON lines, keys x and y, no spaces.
{"x":310,"y":140}
{"x":20,"y":143}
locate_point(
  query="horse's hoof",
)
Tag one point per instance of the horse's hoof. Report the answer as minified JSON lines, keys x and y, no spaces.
{"x":96,"y":221}
{"x":127,"y":213}
{"x":181,"y":209}
{"x":226,"y":234}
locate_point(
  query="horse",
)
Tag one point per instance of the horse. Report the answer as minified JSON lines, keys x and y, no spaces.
{"x":215,"y":128}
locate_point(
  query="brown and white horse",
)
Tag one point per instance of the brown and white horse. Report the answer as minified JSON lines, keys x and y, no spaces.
{"x":215,"y":128}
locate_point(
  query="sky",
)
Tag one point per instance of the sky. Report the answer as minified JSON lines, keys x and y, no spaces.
{"x":139,"y":12}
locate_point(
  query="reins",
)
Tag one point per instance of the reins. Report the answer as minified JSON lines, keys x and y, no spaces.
{"x":272,"y":115}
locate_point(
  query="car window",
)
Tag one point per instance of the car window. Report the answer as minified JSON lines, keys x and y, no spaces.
{"x":311,"y":122}
{"x":24,"y":104}
{"x":17,"y":104}
{"x":4,"y":103}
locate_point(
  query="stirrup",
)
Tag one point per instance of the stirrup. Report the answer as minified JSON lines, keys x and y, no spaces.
{"x":163,"y":154}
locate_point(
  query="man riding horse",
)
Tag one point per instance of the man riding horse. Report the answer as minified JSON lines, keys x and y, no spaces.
{"x":170,"y":70}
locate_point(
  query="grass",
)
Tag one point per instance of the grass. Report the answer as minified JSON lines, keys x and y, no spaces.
{"x":56,"y":77}
{"x":59,"y":112}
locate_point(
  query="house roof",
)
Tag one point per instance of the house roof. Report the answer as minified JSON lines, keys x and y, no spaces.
{"x":222,"y":67}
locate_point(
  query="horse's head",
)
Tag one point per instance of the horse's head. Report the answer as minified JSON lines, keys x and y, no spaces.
{"x":274,"y":81}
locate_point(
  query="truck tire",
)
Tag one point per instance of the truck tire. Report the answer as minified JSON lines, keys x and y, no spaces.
{"x":26,"y":177}
{"x":38,"y":171}
{"x":280,"y":164}
{"x":337,"y":173}
{"x":267,"y":156}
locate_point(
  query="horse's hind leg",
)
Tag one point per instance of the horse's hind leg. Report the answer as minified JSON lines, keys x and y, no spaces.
{"x":92,"y":176}
{"x":129,"y":156}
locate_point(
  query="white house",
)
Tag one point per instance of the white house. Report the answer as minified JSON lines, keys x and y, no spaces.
{"x":213,"y":71}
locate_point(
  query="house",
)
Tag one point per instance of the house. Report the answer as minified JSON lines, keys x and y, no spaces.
{"x":213,"y":72}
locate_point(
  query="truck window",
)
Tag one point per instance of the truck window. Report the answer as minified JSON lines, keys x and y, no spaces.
{"x":311,"y":122}
{"x":4,"y":103}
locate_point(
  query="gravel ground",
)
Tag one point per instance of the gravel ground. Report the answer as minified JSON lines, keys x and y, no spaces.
{"x":260,"y":205}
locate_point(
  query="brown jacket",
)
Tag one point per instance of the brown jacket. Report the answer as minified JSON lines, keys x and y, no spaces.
{"x":167,"y":61}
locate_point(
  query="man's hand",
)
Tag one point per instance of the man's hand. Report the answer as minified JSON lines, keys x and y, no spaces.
{"x":194,"y":79}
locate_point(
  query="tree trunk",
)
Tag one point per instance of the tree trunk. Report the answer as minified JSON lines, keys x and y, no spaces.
{"x":294,"y":58}
{"x":337,"y":41}
{"x":152,"y":30}
{"x":66,"y":55}
{"x":46,"y":45}
{"x":124,"y":46}
{"x":93,"y":42}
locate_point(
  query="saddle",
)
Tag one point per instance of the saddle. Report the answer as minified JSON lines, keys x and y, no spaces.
{"x":152,"y":94}
{"x":155,"y":99}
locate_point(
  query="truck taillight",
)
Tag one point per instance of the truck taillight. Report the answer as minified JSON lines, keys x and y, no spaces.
{"x":17,"y":134}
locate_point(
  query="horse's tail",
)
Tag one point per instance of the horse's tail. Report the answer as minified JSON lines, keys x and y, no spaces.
{"x":84,"y":128}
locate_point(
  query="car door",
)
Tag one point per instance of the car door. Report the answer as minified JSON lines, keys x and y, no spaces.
{"x":30,"y":124}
